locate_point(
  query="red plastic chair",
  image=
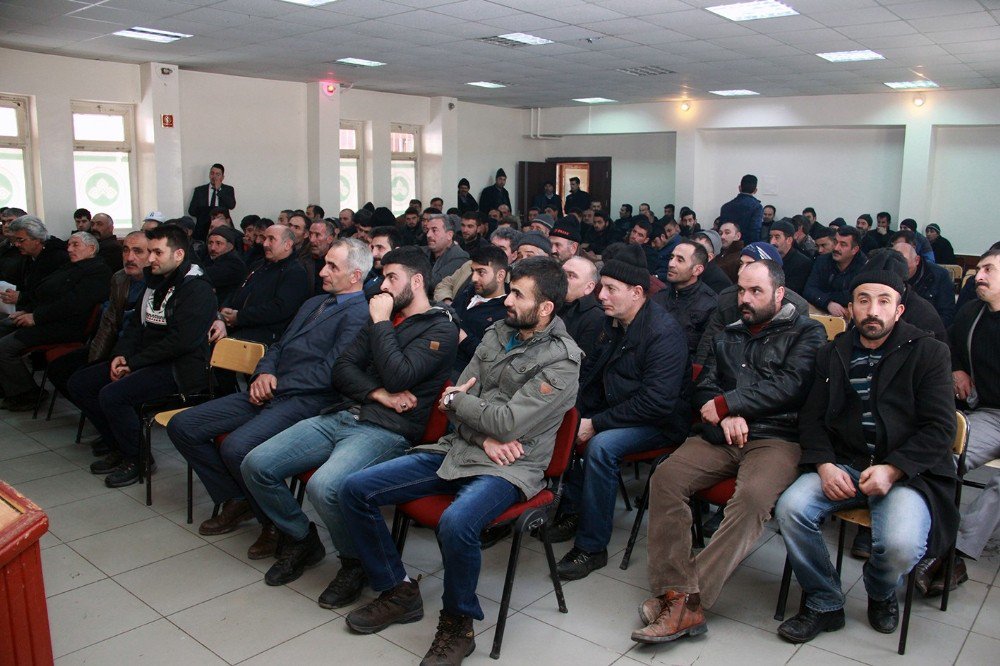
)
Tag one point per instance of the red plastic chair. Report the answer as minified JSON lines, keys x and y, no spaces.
{"x":534,"y":513}
{"x":57,"y":350}
{"x":718,"y":494}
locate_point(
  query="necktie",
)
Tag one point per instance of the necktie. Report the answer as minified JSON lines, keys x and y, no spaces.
{"x":328,"y":301}
{"x":215,"y":197}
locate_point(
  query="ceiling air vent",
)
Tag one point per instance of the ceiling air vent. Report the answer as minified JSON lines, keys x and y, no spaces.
{"x":501,"y":41}
{"x":646,"y":70}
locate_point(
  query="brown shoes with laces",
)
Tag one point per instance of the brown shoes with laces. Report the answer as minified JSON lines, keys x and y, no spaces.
{"x":453,"y":642}
{"x":680,"y":615}
{"x":233,"y":512}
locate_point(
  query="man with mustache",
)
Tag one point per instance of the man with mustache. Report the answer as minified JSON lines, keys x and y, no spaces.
{"x":831,"y":275}
{"x":755,"y":378}
{"x":876,"y":429}
{"x":389,"y":378}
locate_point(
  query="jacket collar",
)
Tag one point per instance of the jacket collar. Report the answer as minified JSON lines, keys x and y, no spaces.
{"x":785,"y":315}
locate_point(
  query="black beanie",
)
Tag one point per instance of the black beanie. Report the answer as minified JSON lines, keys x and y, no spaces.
{"x":888,"y":278}
{"x":566,"y":227}
{"x":628,"y":265}
{"x":227,"y":233}
{"x":382,"y":217}
{"x":501,"y":173}
{"x":886,"y":259}
{"x":464,"y":181}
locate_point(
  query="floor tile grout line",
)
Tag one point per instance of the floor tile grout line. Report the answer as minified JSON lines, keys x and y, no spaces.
{"x":121,"y":633}
{"x":276,"y":645}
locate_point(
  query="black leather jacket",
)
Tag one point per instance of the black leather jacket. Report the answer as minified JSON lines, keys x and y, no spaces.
{"x":764,"y":377}
{"x":692,"y":306}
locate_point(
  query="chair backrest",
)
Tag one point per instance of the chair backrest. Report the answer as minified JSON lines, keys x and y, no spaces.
{"x":955,"y":270}
{"x":93,"y":321}
{"x":437,"y":422}
{"x":961,"y":434}
{"x":237,"y":355}
{"x":833,"y":325}
{"x":565,"y":439}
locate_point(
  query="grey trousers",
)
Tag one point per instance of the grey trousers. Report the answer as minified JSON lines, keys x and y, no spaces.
{"x":15,"y":378}
{"x":982,"y":517}
{"x":763,"y":469}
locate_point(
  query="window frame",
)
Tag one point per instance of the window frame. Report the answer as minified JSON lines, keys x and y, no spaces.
{"x":21,"y":105}
{"x":414,"y":157}
{"x":127,"y":145}
{"x":358,"y":153}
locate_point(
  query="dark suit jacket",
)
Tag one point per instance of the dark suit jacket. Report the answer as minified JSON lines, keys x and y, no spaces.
{"x":199,"y":207}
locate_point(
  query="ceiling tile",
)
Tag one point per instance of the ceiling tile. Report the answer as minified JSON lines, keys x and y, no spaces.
{"x":933,"y":8}
{"x":954,"y":22}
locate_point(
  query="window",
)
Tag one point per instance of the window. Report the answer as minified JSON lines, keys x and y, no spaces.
{"x":102,"y":165}
{"x":404,"y":142}
{"x":14,"y":169}
{"x":351,"y":166}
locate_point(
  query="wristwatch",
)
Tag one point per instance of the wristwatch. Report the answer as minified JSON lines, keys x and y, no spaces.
{"x":448,"y":399}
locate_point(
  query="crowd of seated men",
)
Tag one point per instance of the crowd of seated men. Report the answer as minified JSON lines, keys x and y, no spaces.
{"x":663,"y":334}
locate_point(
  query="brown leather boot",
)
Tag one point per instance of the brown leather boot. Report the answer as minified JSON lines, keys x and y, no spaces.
{"x":681,"y":616}
{"x":453,"y":642}
{"x":233,"y":512}
{"x":399,"y":605}
{"x":266,"y":544}
{"x":650,"y":609}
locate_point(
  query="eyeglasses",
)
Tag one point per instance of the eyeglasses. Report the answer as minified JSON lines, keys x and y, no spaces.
{"x":17,"y":241}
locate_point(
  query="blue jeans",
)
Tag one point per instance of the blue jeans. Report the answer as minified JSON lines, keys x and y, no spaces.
{"x":900,"y":524}
{"x":194,"y":430}
{"x":592,"y":488}
{"x":479,"y":500}
{"x":338,"y":444}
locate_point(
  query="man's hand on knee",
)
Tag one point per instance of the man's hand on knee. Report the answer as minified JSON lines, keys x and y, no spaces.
{"x":837,"y":484}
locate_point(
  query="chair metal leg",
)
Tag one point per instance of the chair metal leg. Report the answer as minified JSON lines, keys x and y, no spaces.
{"x":38,"y":400}
{"x":840,"y":544}
{"x":190,"y":495}
{"x":300,"y":493}
{"x":786,"y":583}
{"x":508,"y":586}
{"x":147,"y":462}
{"x":624,"y":491}
{"x":641,"y":505}
{"x":52,"y":404}
{"x":911,"y":580}
{"x":949,"y":568}
{"x":79,"y":427}
{"x":697,"y":506}
{"x":404,"y":529}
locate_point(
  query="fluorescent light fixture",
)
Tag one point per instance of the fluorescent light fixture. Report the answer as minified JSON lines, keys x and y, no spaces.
{"x":733,"y":93}
{"x":152,"y":35}
{"x":751,"y":11}
{"x":911,"y":85}
{"x":851,"y":56}
{"x":595,"y":100}
{"x":360,"y":62}
{"x":523,"y":38}
{"x":486,"y":84}
{"x":310,"y":3}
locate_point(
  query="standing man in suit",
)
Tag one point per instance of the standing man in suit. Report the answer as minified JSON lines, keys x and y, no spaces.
{"x":211,"y":195}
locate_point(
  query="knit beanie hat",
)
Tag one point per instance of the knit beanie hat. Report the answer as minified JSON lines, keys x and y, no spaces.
{"x":888,"y":278}
{"x":545,"y":219}
{"x":464,"y":181}
{"x":761,"y":250}
{"x":714,"y":238}
{"x":536,"y":239}
{"x":501,"y":173}
{"x":566,"y":227}
{"x":785,"y":226}
{"x":886,"y":259}
{"x":228,"y":234}
{"x":935,"y":227}
{"x":628,"y":265}
{"x":382,"y":217}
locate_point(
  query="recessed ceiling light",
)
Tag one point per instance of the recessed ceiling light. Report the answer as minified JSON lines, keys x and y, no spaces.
{"x":310,"y":3}
{"x":594,"y":100}
{"x":487,"y":84}
{"x":526,"y":39}
{"x":733,"y":93}
{"x":851,"y":56}
{"x":360,"y":62}
{"x":152,"y":35}
{"x":751,"y":11}
{"x":911,"y":85}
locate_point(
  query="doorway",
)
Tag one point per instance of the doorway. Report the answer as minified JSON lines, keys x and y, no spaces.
{"x":594,"y":174}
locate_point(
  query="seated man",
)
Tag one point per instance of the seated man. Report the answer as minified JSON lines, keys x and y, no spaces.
{"x":224,"y":268}
{"x":161,"y":352}
{"x":831,"y":275}
{"x":975,"y":338}
{"x":293,"y":382}
{"x":796,"y":265}
{"x":394,"y":369}
{"x":445,"y":255}
{"x":481,"y":303}
{"x":634,"y":396}
{"x":732,"y":246}
{"x":582,"y":314}
{"x":877,"y":428}
{"x":686,"y":297}
{"x":383,"y":240}
{"x":42,"y":254}
{"x":756,"y":377}
{"x":321,"y":235}
{"x":260,"y":310}
{"x":505,"y":427}
{"x":61,"y":306}
{"x":110,"y":252}
{"x":713,"y":276}
{"x":932,"y":282}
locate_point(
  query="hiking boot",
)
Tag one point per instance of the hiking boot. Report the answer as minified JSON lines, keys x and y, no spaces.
{"x":564,"y":528}
{"x":808,"y":624}
{"x":926,"y":571}
{"x":959,"y":574}
{"x":453,"y":642}
{"x":884,"y":615}
{"x":108,"y":464}
{"x":346,"y":586}
{"x":681,"y":615}
{"x":233,"y":512}
{"x":266,"y":544}
{"x":294,"y":557}
{"x":577,"y":563}
{"x":126,"y":474}
{"x":399,"y":605}
{"x":650,"y":609}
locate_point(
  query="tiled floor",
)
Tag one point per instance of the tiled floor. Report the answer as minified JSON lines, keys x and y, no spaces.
{"x":127,"y":583}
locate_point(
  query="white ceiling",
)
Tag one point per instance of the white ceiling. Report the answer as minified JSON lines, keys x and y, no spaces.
{"x":430,"y":46}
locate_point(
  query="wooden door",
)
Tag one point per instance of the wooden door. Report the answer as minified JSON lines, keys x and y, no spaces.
{"x":531,"y":178}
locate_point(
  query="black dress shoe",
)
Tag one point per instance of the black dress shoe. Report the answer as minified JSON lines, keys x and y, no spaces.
{"x":925,"y":571}
{"x":884,"y":615}
{"x":577,"y":563}
{"x":346,"y":587}
{"x":861,"y":548}
{"x":126,"y":474}
{"x":294,"y":557}
{"x":959,"y":574}
{"x":564,"y":528}
{"x":808,"y":624}
{"x":108,"y":464}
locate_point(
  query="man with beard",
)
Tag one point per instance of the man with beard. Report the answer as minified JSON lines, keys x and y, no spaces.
{"x":505,"y":427}
{"x":831,"y":275}
{"x":755,"y":379}
{"x":383,"y":240}
{"x":480,"y":303}
{"x":224,"y":268}
{"x":877,"y":428}
{"x":389,"y":377}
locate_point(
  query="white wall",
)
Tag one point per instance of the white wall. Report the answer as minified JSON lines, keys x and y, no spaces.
{"x":839,"y":172}
{"x":256,"y":129}
{"x":964,"y":194}
{"x":490,"y":138}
